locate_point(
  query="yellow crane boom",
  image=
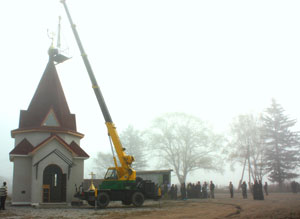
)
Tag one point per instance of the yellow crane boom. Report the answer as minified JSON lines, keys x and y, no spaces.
{"x":125,"y":171}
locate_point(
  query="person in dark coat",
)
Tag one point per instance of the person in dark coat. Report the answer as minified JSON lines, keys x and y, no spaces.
{"x":255,"y":190}
{"x":294,"y":187}
{"x":3,"y":195}
{"x":175,"y":192}
{"x":204,"y":190}
{"x":244,"y":190}
{"x":183,"y":191}
{"x":165,"y":189}
{"x":212,"y":189}
{"x":260,"y":191}
{"x":172,"y":192}
{"x":197,"y":190}
{"x":231,"y":189}
{"x":194,"y":191}
{"x":266,"y":188}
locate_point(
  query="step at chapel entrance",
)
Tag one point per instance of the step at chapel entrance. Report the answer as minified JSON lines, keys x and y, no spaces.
{"x":54,"y":184}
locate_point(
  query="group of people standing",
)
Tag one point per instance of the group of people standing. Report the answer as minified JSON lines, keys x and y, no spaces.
{"x":295,"y":186}
{"x":256,"y":190}
{"x":173,"y":192}
{"x":191,"y":190}
{"x":197,"y":190}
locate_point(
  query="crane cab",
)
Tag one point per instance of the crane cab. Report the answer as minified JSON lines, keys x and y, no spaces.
{"x":111,"y":174}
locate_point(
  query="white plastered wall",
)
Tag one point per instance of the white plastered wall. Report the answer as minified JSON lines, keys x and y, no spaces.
{"x":76,"y":177}
{"x":22,"y":180}
{"x":33,"y":137}
{"x":69,"y":138}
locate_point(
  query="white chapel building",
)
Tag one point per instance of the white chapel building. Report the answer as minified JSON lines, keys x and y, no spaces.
{"x":47,"y":157}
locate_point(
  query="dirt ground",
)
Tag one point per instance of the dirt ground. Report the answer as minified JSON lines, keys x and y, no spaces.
{"x":277,"y":205}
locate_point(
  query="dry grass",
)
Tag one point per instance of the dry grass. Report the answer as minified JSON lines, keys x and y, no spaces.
{"x":278,"y":205}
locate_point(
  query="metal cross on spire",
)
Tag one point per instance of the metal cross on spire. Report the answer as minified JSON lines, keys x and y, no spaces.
{"x":55,"y":53}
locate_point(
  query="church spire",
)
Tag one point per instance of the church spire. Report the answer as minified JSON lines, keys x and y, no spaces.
{"x":48,"y":105}
{"x":48,"y":109}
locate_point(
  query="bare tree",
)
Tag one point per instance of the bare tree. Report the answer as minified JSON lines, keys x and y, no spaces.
{"x":246,"y":146}
{"x":101,"y":163}
{"x":185,"y":144}
{"x":133,"y":140}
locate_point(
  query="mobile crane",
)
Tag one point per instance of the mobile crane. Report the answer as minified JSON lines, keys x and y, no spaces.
{"x":120,"y":182}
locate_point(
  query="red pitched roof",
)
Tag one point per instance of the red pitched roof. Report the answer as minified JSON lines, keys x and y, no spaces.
{"x":74,"y":148}
{"x":26,"y":148}
{"x":23,"y":148}
{"x":48,"y":95}
{"x":78,"y":150}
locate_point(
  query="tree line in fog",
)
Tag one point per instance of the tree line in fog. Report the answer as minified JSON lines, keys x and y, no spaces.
{"x":264,"y":145}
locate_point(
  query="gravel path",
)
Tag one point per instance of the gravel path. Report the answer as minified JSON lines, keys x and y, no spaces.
{"x":276,"y":205}
{"x":114,"y":210}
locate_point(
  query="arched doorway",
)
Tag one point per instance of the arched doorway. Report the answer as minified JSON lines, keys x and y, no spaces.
{"x":54,"y":184}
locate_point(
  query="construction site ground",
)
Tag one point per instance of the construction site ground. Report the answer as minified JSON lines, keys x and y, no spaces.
{"x":276,"y":205}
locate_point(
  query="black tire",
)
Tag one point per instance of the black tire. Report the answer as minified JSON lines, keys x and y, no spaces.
{"x":91,"y":203}
{"x":138,"y":199}
{"x":103,"y":200}
{"x":126,"y":202}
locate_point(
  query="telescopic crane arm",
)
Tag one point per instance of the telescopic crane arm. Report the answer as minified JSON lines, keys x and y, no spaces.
{"x":125,"y":172}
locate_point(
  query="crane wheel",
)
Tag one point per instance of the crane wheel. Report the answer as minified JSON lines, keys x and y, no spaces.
{"x":103,"y":200}
{"x":138,"y":199}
